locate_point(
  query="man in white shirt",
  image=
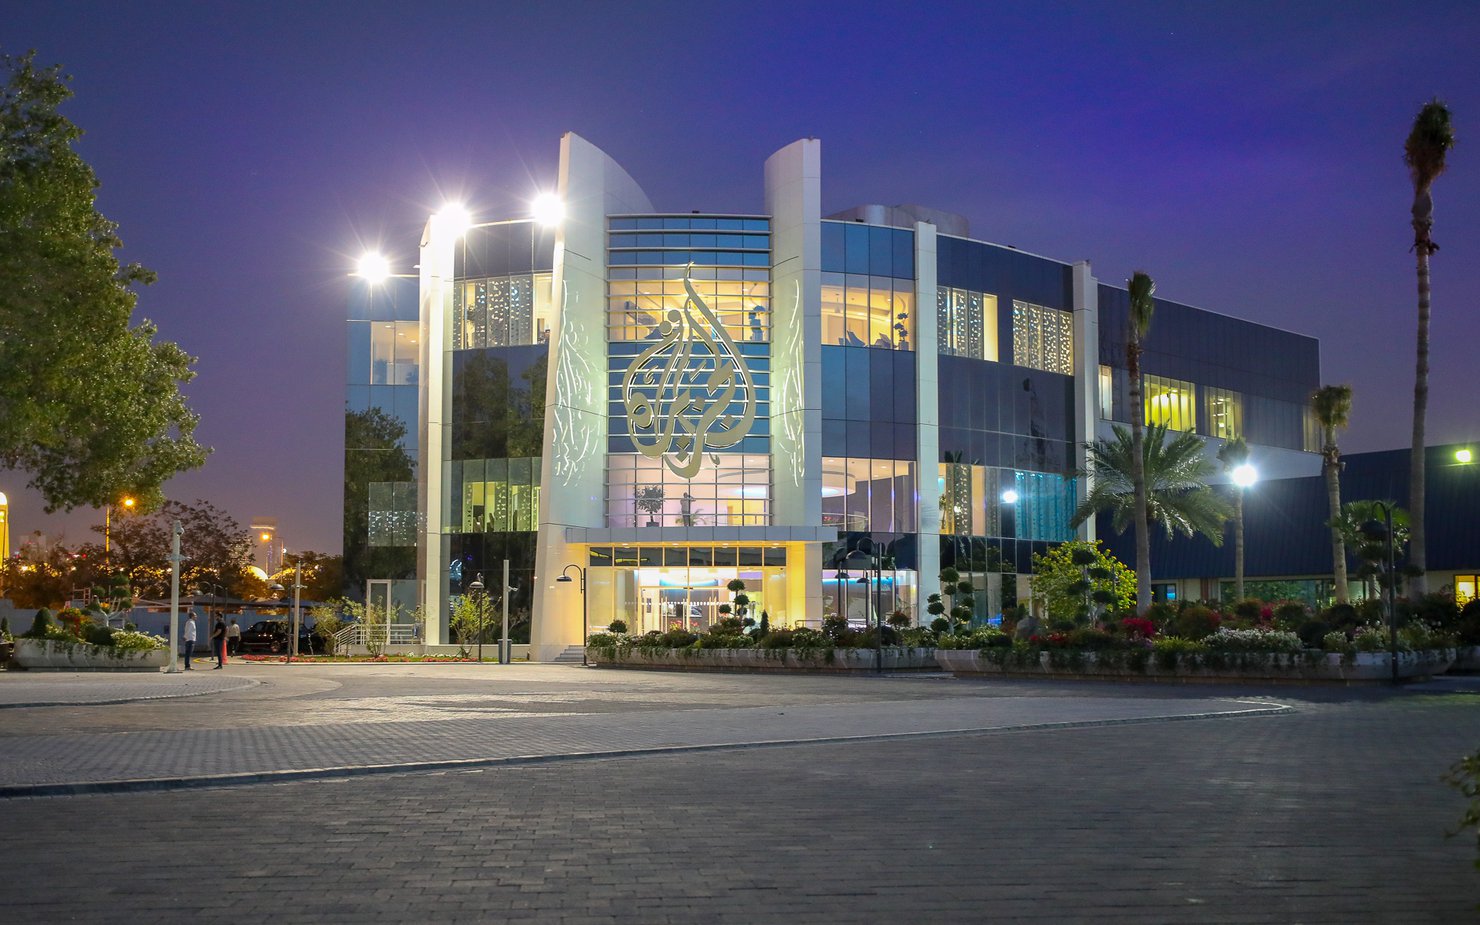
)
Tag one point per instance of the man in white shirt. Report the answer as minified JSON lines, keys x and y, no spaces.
{"x":189,"y":637}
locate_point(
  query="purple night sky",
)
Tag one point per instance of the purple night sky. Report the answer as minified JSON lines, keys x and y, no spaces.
{"x":1248,"y":155}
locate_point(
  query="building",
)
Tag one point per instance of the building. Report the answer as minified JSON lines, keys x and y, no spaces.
{"x":1288,"y":547}
{"x":829,"y":408}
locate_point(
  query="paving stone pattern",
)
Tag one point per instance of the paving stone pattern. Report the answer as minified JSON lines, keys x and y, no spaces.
{"x":58,"y":688}
{"x":1330,"y":813}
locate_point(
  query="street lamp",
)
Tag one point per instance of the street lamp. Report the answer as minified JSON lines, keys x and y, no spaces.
{"x":128,"y":503}
{"x":565,"y":577}
{"x":1372,"y":529}
{"x":477,"y":589}
{"x":547,"y":209}
{"x":874,"y":563}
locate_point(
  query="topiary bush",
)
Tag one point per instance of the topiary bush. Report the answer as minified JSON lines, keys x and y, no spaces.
{"x":1290,"y":615}
{"x":1248,"y":609}
{"x":39,"y":624}
{"x":940,"y":624}
{"x":679,"y":639}
{"x":1162,"y":614}
{"x":1341,"y":616}
{"x":617,"y":627}
{"x":97,"y":634}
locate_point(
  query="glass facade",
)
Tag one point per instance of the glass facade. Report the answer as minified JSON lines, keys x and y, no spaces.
{"x":868,"y":311}
{"x":501,"y":311}
{"x":1223,"y":413}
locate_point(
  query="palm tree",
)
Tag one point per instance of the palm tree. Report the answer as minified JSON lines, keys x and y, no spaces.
{"x":1371,"y":553}
{"x":1233,"y":454}
{"x":1333,"y":406}
{"x":1142,"y":306}
{"x":1176,"y":484}
{"x":1424,"y":152}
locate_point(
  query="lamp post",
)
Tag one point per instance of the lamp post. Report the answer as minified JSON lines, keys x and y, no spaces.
{"x":1244,"y":477}
{"x":874,"y":563}
{"x":565,"y":577}
{"x":477,"y":588}
{"x":1384,"y":531}
{"x":128,"y":503}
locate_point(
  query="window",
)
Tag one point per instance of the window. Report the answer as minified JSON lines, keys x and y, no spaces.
{"x":501,"y":311}
{"x":392,"y":513}
{"x":1107,"y":393}
{"x":868,"y":311}
{"x":495,"y":495}
{"x":1042,"y":338}
{"x":740,"y":299}
{"x":868,"y":494}
{"x":1223,"y":413}
{"x":393,"y":352}
{"x":1169,"y":402}
{"x":734,"y":491}
{"x":1465,"y":588}
{"x":966,"y":323}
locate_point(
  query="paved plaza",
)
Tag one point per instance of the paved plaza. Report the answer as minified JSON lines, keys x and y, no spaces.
{"x":562,"y":794}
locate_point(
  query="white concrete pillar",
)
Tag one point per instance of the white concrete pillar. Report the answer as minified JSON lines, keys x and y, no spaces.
{"x":1086,"y":296}
{"x":927,"y":418}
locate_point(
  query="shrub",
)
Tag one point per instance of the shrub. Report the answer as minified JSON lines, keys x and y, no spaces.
{"x":837,"y":627}
{"x":1231,"y":640}
{"x":1373,"y":637}
{"x":1195,"y":622}
{"x":1467,"y":632}
{"x":1437,"y":610}
{"x":1085,"y":638}
{"x":1311,"y":632}
{"x":39,"y":624}
{"x":1336,"y":641}
{"x":679,"y":639}
{"x":97,"y":634}
{"x":899,"y":619}
{"x":1289,"y":615}
{"x":617,"y":627}
{"x":4,"y":627}
{"x":778,"y":639}
{"x":601,"y":640}
{"x":1341,"y":616}
{"x":127,"y":640}
{"x":940,"y":624}
{"x":1248,"y":609}
{"x":1162,"y":614}
{"x":1132,"y":626}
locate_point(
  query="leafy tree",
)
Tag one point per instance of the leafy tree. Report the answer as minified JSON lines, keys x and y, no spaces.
{"x":323,"y":574}
{"x":89,"y":406}
{"x":216,"y":548}
{"x":1425,"y":152}
{"x":1235,"y":453}
{"x":42,"y":579}
{"x":1142,"y":308}
{"x":1061,"y":574}
{"x":1177,"y":492}
{"x":1332,"y":405}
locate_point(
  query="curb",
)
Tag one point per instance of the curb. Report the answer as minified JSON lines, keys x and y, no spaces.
{"x":250,"y":682}
{"x":156,"y":784}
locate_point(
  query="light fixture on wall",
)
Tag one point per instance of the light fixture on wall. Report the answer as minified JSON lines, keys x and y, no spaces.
{"x":454,"y":218}
{"x":547,"y":209}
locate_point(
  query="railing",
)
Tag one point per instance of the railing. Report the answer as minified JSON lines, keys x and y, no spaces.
{"x":382,"y":634}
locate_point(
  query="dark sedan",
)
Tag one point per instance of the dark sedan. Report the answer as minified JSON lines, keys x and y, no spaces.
{"x":272,"y":636}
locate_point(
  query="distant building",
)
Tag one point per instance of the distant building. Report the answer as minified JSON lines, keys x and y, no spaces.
{"x":1287,"y":547}
{"x":670,"y":401}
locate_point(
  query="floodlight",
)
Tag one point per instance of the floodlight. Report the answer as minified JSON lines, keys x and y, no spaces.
{"x":454,"y":218}
{"x":1009,"y":497}
{"x":547,"y":209}
{"x":1463,"y":456}
{"x":373,"y":267}
{"x":1245,"y":475}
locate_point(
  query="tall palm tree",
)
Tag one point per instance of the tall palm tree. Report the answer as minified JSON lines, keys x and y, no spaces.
{"x":1428,"y":144}
{"x":1332,"y":405}
{"x":1176,"y":483}
{"x":1142,"y":306}
{"x":1233,"y":454}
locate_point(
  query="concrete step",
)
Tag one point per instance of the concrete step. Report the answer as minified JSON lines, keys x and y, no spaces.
{"x":571,"y":656}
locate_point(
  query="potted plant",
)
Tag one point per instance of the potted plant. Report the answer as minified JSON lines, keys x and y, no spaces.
{"x":650,"y":502}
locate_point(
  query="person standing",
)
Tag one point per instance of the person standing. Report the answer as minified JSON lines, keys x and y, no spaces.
{"x":188,"y":635}
{"x":218,"y":641}
{"x":234,"y":639}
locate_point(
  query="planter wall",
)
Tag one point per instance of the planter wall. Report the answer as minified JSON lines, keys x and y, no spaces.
{"x":1467,"y":660}
{"x":894,"y":659}
{"x":1364,"y":666}
{"x":51,"y":654}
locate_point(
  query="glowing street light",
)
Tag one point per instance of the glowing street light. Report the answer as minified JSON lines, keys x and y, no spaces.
{"x":547,"y":209}
{"x":1244,"y":476}
{"x":373,"y":267}
{"x":1463,"y":455}
{"x":1010,"y":496}
{"x":454,"y":219}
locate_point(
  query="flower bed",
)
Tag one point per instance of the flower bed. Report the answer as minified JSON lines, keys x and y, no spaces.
{"x":58,"y":654}
{"x":1192,"y":663}
{"x":895,"y":658}
{"x":357,"y":659}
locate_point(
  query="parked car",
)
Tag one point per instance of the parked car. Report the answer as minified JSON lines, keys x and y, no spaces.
{"x":272,"y":636}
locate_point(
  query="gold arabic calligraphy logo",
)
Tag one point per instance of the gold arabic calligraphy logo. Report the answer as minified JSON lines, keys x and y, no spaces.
{"x":682,"y":393}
